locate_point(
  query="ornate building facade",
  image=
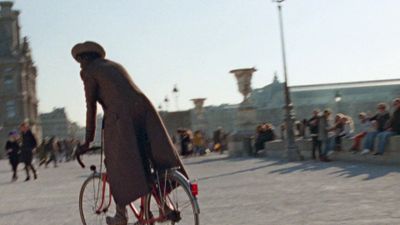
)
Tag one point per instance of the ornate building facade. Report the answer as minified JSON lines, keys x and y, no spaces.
{"x":18,"y":101}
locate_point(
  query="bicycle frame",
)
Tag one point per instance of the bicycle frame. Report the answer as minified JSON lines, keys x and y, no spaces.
{"x":101,"y":209}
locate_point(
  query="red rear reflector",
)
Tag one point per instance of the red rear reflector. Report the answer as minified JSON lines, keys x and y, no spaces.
{"x":194,"y":188}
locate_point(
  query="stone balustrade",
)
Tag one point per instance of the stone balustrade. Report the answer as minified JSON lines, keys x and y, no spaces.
{"x":277,"y":149}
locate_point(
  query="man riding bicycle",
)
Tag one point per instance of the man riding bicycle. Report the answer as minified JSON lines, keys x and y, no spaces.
{"x":135,"y":138}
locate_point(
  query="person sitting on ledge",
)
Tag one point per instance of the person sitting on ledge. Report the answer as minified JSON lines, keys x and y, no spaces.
{"x":380,"y":119}
{"x":344,"y":128}
{"x":366,"y":126}
{"x":264,"y":133}
{"x":392,"y":128}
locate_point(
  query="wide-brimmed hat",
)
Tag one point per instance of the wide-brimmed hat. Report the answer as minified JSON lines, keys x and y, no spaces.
{"x":88,"y":46}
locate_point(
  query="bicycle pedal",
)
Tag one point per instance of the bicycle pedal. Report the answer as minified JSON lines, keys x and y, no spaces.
{"x":174,"y":216}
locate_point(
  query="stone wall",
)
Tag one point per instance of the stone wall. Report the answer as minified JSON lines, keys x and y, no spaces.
{"x":277,"y":149}
{"x":175,"y":120}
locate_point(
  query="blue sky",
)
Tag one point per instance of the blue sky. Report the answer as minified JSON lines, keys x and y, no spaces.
{"x":195,"y":44}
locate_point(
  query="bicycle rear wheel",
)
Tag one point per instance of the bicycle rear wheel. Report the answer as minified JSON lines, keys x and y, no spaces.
{"x":94,"y":202}
{"x":177,"y":205}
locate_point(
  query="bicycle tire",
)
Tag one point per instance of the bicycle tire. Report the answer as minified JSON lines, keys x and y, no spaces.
{"x":88,"y":214}
{"x":178,"y":187}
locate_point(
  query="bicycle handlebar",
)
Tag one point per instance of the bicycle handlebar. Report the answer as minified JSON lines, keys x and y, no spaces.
{"x":81,"y":152}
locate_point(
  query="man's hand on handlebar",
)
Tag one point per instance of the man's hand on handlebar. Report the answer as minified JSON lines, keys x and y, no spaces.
{"x":82,"y":149}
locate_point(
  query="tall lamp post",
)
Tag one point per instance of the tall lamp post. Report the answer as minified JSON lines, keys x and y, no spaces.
{"x":166,"y":101}
{"x":293,"y":152}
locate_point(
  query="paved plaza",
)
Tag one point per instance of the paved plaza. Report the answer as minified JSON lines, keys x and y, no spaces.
{"x":232,"y":192}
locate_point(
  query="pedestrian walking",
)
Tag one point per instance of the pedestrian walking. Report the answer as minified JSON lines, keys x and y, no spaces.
{"x":52,"y":150}
{"x":28,"y":144}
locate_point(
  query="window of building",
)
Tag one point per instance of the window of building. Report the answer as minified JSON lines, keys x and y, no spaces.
{"x":8,"y":70}
{"x":11,"y":111}
{"x":8,"y":81}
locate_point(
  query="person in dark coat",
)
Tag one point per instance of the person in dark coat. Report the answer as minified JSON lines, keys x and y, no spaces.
{"x":313,"y":126}
{"x":134,"y":135}
{"x":28,"y":145}
{"x":51,"y":148}
{"x":12,"y":149}
{"x":392,"y":128}
{"x":185,"y":141}
{"x":217,"y":139}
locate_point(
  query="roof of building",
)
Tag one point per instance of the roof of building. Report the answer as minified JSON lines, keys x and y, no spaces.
{"x":343,"y":85}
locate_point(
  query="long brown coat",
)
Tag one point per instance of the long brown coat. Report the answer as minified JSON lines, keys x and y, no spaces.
{"x":133,"y":130}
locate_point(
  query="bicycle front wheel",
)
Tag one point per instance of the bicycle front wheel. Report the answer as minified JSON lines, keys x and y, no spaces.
{"x":177,"y":205}
{"x":95,"y":201}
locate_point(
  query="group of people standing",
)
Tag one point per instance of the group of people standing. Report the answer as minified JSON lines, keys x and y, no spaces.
{"x":196,"y":143}
{"x":327,"y":134}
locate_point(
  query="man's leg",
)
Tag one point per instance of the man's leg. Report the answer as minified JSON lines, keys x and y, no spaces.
{"x":357,"y":142}
{"x":120,"y":218}
{"x":33,"y":170}
{"x":319,"y":146}
{"x":326,"y":146}
{"x":14,"y":168}
{"x":314,"y":146}
{"x":28,"y":177}
{"x":383,"y":138}
{"x":369,"y":142}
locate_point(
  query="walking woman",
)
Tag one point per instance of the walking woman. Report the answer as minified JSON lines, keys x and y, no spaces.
{"x":12,"y":149}
{"x":28,"y":145}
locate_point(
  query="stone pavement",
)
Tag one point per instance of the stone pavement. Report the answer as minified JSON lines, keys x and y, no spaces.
{"x":232,"y":192}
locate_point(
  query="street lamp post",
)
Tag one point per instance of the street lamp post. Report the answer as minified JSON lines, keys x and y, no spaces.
{"x":175,"y":92}
{"x":166,"y":101}
{"x":293,"y":152}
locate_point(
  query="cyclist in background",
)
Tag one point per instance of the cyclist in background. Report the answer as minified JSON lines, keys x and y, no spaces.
{"x":135,"y":138}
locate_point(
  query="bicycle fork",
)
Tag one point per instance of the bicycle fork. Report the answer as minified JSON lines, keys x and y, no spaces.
{"x":102,"y":209}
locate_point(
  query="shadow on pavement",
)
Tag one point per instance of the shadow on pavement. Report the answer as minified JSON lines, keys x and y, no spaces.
{"x":344,"y":169}
{"x":218,"y":158}
{"x":234,"y":172}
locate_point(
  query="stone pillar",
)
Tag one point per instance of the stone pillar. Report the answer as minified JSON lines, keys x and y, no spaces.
{"x":199,"y":120}
{"x":240,"y":143}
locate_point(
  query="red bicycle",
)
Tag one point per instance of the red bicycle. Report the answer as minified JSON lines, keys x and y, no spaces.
{"x":172,"y":199}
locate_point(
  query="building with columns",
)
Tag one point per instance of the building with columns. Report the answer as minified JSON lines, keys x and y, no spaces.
{"x":18,"y":100}
{"x":349,"y":98}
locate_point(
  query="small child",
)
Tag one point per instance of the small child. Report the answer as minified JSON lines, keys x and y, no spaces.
{"x":12,"y":149}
